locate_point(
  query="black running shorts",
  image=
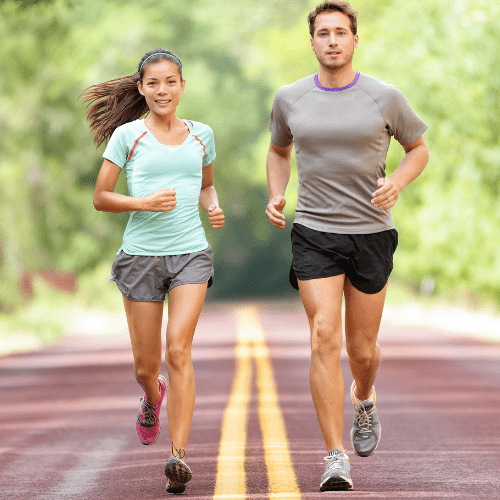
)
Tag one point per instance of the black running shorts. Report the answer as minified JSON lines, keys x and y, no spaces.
{"x":366,"y":259}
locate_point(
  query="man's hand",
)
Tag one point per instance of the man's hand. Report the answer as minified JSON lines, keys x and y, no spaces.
{"x":386,"y":196}
{"x":274,"y":211}
{"x":216,"y":216}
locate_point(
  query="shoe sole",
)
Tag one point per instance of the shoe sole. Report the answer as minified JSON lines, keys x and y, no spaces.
{"x":178,"y":475}
{"x":178,"y":488}
{"x":366,"y":454}
{"x":336,"y":484}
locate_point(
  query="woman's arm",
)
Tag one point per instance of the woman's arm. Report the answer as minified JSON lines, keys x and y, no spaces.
{"x":106,"y":200}
{"x":208,"y":199}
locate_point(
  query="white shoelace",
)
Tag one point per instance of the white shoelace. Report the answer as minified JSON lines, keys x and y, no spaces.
{"x":364,"y":418}
{"x":334,"y":461}
{"x":149,"y":413}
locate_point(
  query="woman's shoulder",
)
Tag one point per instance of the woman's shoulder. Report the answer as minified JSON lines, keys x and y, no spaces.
{"x":130,"y":128}
{"x":199,"y":128}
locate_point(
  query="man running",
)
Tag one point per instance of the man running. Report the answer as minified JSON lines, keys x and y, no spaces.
{"x":340,"y":123}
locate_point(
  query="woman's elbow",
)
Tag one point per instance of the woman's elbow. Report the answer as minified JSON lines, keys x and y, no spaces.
{"x":97,"y":202}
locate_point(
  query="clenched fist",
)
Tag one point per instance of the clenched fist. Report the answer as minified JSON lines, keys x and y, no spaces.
{"x":162,"y":200}
{"x":216,"y":217}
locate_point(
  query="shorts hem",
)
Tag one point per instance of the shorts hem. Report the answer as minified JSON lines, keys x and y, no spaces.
{"x":293,"y":279}
{"x":127,"y":295}
{"x":369,"y":292}
{"x":209,"y":283}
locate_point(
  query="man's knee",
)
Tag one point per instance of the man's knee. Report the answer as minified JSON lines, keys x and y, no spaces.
{"x":326,"y":338}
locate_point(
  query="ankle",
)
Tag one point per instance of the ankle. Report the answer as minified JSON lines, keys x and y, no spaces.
{"x":363,"y":395}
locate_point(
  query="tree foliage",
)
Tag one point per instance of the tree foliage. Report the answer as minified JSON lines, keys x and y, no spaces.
{"x":443,"y":55}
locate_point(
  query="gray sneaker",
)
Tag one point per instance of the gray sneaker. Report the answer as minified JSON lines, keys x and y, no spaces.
{"x":366,"y":430}
{"x":178,"y":474}
{"x":337,"y":472}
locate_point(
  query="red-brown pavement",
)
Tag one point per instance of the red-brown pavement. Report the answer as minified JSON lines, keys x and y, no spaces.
{"x":67,"y":428}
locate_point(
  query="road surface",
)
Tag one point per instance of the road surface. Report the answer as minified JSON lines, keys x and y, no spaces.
{"x":67,"y":428}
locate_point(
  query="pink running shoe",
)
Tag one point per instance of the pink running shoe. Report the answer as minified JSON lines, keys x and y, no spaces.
{"x":148,"y":417}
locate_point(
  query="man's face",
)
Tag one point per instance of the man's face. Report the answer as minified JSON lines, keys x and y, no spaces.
{"x":333,"y":41}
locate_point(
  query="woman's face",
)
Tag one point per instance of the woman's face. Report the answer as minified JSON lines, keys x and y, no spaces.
{"x":162,"y":87}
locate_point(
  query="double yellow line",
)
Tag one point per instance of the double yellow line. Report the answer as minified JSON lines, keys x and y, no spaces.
{"x":231,"y":480}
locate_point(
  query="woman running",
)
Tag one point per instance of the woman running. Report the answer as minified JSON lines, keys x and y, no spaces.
{"x":168,"y":166}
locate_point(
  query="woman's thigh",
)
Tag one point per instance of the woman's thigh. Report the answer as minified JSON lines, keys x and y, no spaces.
{"x":144,"y":322}
{"x":185,"y":303}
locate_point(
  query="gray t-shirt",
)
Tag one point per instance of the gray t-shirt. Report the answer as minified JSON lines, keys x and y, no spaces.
{"x":341,"y":137}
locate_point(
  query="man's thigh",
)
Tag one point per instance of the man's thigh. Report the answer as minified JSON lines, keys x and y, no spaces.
{"x":363,"y":314}
{"x":322,"y":299}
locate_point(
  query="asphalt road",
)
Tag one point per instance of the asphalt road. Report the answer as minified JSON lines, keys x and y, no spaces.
{"x":67,"y":427}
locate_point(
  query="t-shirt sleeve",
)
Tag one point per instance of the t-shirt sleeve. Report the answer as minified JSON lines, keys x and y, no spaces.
{"x":116,"y":150}
{"x":402,"y":121}
{"x":209,"y":156}
{"x":281,"y":134}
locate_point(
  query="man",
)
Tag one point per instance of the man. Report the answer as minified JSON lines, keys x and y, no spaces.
{"x":343,"y":238}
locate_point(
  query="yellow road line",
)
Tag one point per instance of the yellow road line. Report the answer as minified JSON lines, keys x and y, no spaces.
{"x":282,"y":479}
{"x":230,"y":479}
{"x":230,"y":482}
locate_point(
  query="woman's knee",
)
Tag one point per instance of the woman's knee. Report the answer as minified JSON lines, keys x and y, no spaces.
{"x":178,"y":356}
{"x":362,"y":354}
{"x":145,"y":370}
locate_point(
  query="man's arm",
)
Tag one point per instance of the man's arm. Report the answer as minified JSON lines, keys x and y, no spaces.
{"x":412,"y":165}
{"x":279,"y":160}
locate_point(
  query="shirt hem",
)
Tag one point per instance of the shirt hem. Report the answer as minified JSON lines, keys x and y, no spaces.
{"x":337,"y":229}
{"x":145,"y":253}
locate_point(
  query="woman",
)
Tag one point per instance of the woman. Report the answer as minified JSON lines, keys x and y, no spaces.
{"x":168,"y":166}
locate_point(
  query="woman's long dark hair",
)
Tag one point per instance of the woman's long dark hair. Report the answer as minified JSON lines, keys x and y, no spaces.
{"x":118,"y":101}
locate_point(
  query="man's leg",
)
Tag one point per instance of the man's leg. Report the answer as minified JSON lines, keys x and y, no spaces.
{"x":362,"y":322}
{"x":322,"y":299}
{"x":363,"y":314}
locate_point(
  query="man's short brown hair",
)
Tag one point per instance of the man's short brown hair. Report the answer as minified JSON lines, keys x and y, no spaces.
{"x":332,"y":6}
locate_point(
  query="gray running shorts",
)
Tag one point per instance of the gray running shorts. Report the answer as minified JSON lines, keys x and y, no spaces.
{"x":144,"y":278}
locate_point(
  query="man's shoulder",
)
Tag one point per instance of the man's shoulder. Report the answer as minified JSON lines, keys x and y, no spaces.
{"x":294,"y":91}
{"x":385,"y":94}
{"x":371,"y":84}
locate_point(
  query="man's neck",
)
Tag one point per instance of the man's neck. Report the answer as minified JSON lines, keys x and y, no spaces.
{"x":336,"y":78}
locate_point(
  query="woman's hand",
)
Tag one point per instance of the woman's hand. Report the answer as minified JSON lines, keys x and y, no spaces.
{"x":216,"y":216}
{"x":162,"y":200}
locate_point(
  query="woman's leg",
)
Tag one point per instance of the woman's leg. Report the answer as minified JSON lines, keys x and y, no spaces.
{"x":184,"y":307}
{"x":144,"y":324}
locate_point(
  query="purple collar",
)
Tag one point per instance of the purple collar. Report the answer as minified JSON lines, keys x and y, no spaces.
{"x":316,"y":80}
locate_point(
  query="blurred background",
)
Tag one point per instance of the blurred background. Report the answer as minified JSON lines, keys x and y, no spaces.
{"x":56,"y":250}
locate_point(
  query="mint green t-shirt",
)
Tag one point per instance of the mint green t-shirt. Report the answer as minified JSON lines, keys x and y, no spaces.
{"x":149,"y":166}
